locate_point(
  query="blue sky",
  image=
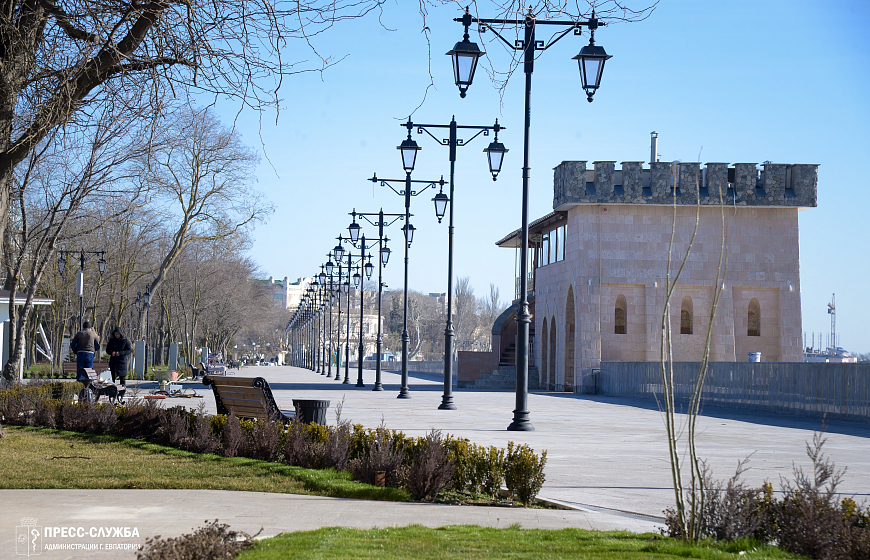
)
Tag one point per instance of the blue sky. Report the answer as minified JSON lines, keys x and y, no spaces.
{"x":785,"y":81}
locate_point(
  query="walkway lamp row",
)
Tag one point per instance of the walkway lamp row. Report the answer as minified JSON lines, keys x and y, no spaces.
{"x":465,"y":56}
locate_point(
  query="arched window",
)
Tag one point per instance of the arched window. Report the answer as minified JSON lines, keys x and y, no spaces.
{"x":619,"y":315}
{"x":686,"y":316}
{"x":754,"y":318}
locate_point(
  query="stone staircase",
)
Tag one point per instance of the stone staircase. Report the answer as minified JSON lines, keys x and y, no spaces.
{"x":504,"y":378}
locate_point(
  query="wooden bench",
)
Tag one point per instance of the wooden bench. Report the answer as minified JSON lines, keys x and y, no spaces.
{"x":246,"y":397}
{"x":70,"y":367}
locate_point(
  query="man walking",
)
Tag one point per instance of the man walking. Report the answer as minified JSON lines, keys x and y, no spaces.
{"x":118,"y":348}
{"x":85,"y":344}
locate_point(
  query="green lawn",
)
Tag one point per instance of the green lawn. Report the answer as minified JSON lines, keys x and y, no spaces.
{"x":473,"y":542}
{"x":58,"y":459}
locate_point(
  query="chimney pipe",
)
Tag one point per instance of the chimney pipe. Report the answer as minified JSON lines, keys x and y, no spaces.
{"x":654,"y":147}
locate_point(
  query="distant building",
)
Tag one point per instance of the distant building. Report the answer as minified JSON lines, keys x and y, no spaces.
{"x":284,"y":293}
{"x":836,"y":355}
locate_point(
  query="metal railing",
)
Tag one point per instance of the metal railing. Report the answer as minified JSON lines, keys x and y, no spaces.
{"x":835,"y":390}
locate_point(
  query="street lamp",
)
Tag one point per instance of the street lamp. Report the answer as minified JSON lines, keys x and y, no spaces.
{"x":591,"y":61}
{"x":440,"y":201}
{"x":465,"y":55}
{"x":381,"y":223}
{"x":146,"y":301}
{"x":80,"y":280}
{"x":495,"y":156}
{"x":408,"y":230}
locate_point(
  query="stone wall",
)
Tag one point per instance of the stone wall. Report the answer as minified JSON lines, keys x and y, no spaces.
{"x":622,"y":249}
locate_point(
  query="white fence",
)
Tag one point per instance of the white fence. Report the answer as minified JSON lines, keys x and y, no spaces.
{"x":835,"y":390}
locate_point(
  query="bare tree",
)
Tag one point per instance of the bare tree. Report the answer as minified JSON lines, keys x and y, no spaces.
{"x":200,"y":176}
{"x":465,"y":314}
{"x":53,"y":192}
{"x":690,"y":512}
{"x":63,"y":60}
{"x":491,"y":308}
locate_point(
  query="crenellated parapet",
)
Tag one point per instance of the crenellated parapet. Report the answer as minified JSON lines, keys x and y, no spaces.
{"x":739,"y":184}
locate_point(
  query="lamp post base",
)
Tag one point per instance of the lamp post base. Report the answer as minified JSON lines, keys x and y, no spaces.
{"x":404,"y":393}
{"x":360,"y":384}
{"x":447,"y":404}
{"x":346,"y":381}
{"x":378,"y":387}
{"x":521,"y":425}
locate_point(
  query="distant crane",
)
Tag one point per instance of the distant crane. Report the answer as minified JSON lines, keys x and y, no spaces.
{"x":832,"y":311}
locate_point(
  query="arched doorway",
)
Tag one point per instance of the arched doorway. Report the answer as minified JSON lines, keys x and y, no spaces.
{"x":545,"y":373}
{"x":551,"y":376}
{"x":569,"y":340}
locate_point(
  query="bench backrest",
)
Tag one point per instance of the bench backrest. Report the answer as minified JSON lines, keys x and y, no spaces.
{"x":246,"y":397}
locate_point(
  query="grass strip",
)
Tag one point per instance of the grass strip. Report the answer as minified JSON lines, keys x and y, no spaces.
{"x":46,"y":458}
{"x":461,"y":542}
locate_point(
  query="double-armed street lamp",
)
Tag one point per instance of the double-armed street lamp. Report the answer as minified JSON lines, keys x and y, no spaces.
{"x":339,"y":252}
{"x":408,"y":148}
{"x":337,"y":293}
{"x":465,"y":55}
{"x":365,"y":265}
{"x":384,"y":252}
{"x":495,"y":155}
{"x":330,"y":269}
{"x":80,"y":280}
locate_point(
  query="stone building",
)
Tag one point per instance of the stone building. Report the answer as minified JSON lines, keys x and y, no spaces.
{"x":599,"y":269}
{"x":284,"y":293}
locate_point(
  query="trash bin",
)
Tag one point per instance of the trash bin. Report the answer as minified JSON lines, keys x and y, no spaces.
{"x":311,"y":410}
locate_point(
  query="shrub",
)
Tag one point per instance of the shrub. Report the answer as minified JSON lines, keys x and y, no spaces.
{"x":524,"y":472}
{"x":232,"y":436}
{"x":430,"y":468}
{"x":382,"y":456}
{"x":201,"y":439}
{"x":138,"y":419}
{"x":45,"y":413}
{"x":809,"y":519}
{"x":215,"y":541}
{"x":14,"y":407}
{"x":265,"y":441}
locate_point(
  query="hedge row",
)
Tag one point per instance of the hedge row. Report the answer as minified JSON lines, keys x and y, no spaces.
{"x":423,"y":465}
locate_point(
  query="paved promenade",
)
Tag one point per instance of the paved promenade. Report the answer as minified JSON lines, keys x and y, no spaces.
{"x":606,"y":456}
{"x":601,"y":451}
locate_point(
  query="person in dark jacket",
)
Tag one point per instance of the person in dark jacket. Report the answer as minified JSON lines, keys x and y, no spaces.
{"x":118,"y":348}
{"x":86,"y":343}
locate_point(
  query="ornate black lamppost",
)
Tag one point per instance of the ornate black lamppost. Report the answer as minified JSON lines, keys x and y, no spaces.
{"x":495,"y":155}
{"x":409,"y":150}
{"x":358,"y":242}
{"x":330,"y":268}
{"x":339,"y":252}
{"x":384,"y":252}
{"x":80,"y":281}
{"x":145,"y":299}
{"x":591,"y":59}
